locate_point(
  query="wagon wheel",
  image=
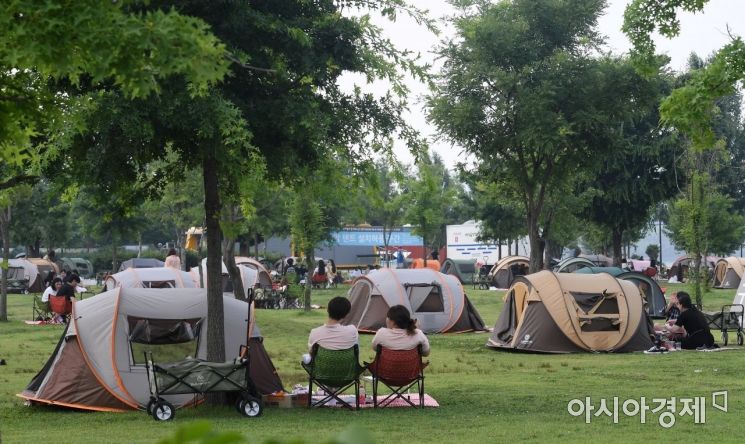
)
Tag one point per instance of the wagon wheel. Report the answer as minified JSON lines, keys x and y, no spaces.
{"x":739,"y":338}
{"x":725,"y":337}
{"x":251,"y":407}
{"x":150,"y":405}
{"x":163,"y":411}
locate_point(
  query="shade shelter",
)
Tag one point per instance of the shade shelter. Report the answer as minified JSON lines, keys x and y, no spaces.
{"x":463,"y":269}
{"x":436,"y":300}
{"x":99,"y":364}
{"x":572,"y":264}
{"x":507,"y":269}
{"x":160,"y":277}
{"x":141,"y":262}
{"x":728,"y":272}
{"x":572,"y":312}
{"x":648,"y":287}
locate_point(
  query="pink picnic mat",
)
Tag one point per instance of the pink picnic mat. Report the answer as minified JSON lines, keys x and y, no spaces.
{"x":414,"y":397}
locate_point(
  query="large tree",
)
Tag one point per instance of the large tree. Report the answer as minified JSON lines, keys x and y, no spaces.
{"x":640,"y":170}
{"x":281,"y":106}
{"x":521,"y":93}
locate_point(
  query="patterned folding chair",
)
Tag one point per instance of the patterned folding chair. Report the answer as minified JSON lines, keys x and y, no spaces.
{"x":41,"y":310}
{"x":334,"y":371}
{"x":399,"y":370}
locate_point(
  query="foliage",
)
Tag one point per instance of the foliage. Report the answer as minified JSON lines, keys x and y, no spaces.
{"x":640,"y":169}
{"x":653,"y":252}
{"x":520,"y":93}
{"x":426,"y":197}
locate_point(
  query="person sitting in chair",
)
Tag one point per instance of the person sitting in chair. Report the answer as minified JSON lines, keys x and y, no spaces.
{"x":332,"y":335}
{"x":400,"y":332}
{"x":692,"y":324}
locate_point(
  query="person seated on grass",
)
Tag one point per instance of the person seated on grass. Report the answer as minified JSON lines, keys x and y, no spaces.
{"x":332,"y":335}
{"x":671,"y":315}
{"x":400,"y":332}
{"x":692,"y":324}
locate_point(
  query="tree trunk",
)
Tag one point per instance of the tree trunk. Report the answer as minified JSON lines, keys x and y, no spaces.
{"x":215,"y":313}
{"x":5,"y":234}
{"x":233,"y":271}
{"x":309,"y":264}
{"x":617,"y":246}
{"x":256,"y":246}
{"x":537,"y":244}
{"x":424,"y":250}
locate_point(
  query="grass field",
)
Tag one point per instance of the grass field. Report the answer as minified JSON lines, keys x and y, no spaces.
{"x":484,"y":395}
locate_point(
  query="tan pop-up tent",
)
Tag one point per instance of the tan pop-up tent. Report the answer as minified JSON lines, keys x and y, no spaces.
{"x":569,"y":312}
{"x":98,"y":363}
{"x":160,"y":277}
{"x":728,"y":272}
{"x":436,"y":300}
{"x":507,"y":269}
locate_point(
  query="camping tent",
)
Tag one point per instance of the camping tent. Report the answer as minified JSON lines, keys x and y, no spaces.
{"x":436,"y":300}
{"x":84,"y":266}
{"x":31,"y":272}
{"x":561,"y":313}
{"x":600,"y":260}
{"x":507,"y":269}
{"x":253,"y":275}
{"x":680,"y":266}
{"x":463,"y":269}
{"x":141,"y":262}
{"x":648,"y":287}
{"x":18,"y":278}
{"x":571,"y":264}
{"x":98,"y":363}
{"x":44,"y":267}
{"x":728,"y":272}
{"x":418,"y":263}
{"x":160,"y":277}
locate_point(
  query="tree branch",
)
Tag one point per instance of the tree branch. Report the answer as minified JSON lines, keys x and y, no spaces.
{"x":17,"y":180}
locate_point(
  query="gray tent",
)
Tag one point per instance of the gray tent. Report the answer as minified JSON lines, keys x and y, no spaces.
{"x":571,"y":264}
{"x":550,"y":312}
{"x":141,"y":262}
{"x":160,"y":277}
{"x":436,"y":300}
{"x":84,"y":266}
{"x":253,"y":275}
{"x":98,"y":362}
{"x":463,"y":269}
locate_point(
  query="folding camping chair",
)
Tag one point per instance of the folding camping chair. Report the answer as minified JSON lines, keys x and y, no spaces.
{"x":60,"y":305}
{"x":399,"y":370}
{"x":334,"y":371}
{"x":40,"y":310}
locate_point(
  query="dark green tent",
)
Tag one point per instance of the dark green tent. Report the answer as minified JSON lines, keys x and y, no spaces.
{"x":648,"y":287}
{"x":572,"y":264}
{"x":463,"y":269}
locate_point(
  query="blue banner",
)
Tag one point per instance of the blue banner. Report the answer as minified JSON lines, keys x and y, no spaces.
{"x":373,"y":236}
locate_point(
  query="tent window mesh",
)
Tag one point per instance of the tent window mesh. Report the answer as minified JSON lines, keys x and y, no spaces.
{"x":596,"y":305}
{"x":159,"y":284}
{"x":426,"y":299}
{"x":15,"y":273}
{"x":169,"y":340}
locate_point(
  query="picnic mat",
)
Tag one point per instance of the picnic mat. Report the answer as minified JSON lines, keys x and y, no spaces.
{"x":398,"y":403}
{"x":43,"y":323}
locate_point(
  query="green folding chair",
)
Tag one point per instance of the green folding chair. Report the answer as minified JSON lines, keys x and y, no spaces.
{"x":334,"y":371}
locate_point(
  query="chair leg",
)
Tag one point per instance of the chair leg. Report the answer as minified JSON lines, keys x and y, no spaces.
{"x":375,"y":392}
{"x":421,"y":393}
{"x":357,"y":395}
{"x":310,"y":392}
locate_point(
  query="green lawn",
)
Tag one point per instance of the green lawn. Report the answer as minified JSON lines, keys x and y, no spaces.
{"x":485,"y":396}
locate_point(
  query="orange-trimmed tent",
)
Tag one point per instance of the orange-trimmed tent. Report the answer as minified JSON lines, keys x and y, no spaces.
{"x":436,"y":300}
{"x":98,"y":363}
